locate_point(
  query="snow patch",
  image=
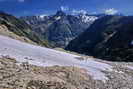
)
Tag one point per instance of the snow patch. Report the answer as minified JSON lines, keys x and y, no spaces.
{"x":95,"y":69}
{"x":87,"y":19}
{"x":58,"y":18}
{"x":42,"y":56}
{"x":132,"y":42}
{"x":130,"y":67}
{"x":42,"y":16}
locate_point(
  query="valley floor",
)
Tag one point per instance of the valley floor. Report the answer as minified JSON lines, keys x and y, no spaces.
{"x":26,"y":66}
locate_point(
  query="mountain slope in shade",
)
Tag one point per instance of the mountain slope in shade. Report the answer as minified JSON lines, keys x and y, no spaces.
{"x":109,"y":38}
{"x":15,"y":28}
{"x":60,"y":29}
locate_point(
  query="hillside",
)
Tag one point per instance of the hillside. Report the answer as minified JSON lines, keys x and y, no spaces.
{"x":17,"y":29}
{"x":109,"y":38}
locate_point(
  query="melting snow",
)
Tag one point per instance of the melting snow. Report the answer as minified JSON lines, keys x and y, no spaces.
{"x":130,"y":67}
{"x":42,"y":56}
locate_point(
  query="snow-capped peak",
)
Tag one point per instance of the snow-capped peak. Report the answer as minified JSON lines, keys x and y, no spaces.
{"x":42,"y":16}
{"x":87,"y":18}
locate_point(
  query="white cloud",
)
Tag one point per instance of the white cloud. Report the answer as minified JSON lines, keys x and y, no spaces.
{"x":79,"y":12}
{"x":64,"y":8}
{"x":111,"y":11}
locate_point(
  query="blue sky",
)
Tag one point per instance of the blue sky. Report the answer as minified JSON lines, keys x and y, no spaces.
{"x":37,"y":7}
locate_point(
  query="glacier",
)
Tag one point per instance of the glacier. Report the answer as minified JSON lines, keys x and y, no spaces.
{"x":41,"y":56}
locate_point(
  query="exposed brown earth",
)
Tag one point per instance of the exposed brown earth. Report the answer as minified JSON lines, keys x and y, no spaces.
{"x":14,"y":75}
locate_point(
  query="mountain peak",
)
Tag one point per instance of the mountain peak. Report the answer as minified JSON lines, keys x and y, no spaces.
{"x":60,"y":13}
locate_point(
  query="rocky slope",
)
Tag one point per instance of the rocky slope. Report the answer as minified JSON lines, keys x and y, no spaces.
{"x":18,"y":29}
{"x":22,"y":75}
{"x":108,"y":38}
{"x":26,"y":76}
{"x":60,"y":29}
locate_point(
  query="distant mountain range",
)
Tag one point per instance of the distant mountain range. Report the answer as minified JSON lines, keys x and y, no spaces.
{"x":109,"y":38}
{"x":61,"y":28}
{"x":51,"y":31}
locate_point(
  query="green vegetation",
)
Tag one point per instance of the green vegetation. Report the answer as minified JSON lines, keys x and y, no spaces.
{"x":21,"y":29}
